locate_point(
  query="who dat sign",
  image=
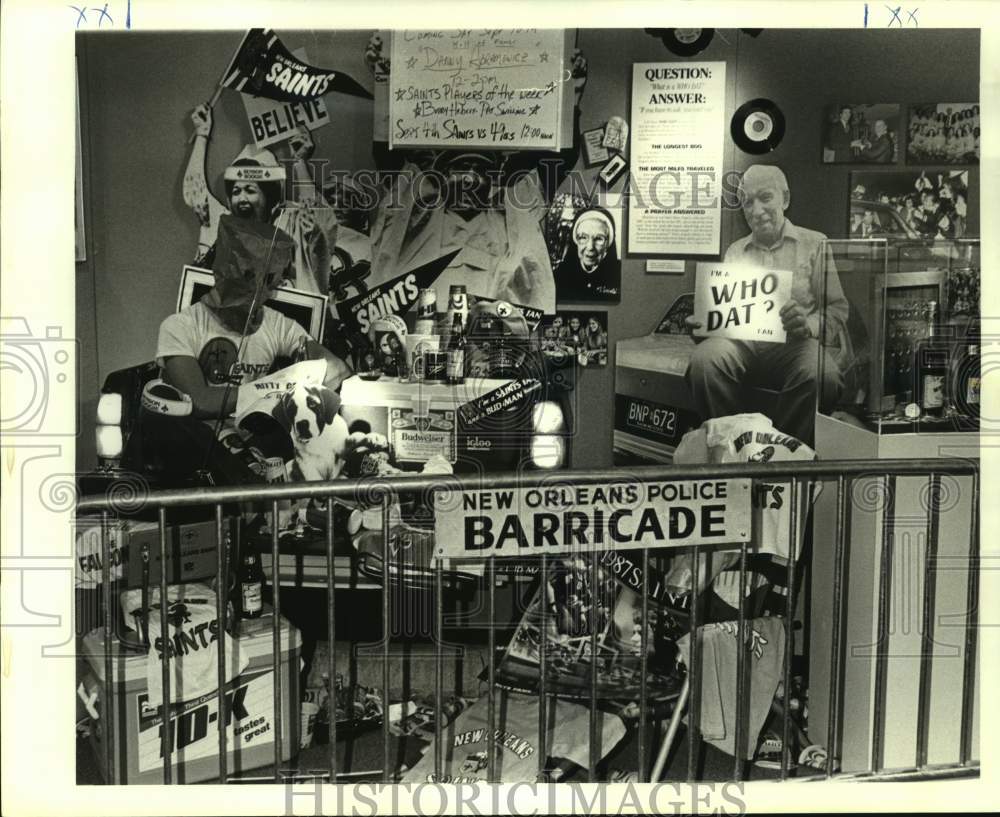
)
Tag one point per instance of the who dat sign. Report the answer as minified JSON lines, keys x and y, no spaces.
{"x":741,"y":302}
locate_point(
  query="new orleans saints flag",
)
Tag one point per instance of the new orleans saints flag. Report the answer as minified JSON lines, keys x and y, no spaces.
{"x":262,"y":66}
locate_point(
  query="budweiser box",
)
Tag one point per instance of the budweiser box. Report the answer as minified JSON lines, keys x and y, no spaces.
{"x":249,"y":715}
{"x":481,"y":425}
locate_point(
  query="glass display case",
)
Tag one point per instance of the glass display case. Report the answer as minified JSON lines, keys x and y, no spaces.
{"x":901,"y":326}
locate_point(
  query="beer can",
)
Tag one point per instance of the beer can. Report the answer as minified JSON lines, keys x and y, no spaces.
{"x":274,"y":470}
{"x":435,"y":365}
{"x":427,"y":305}
{"x":425,"y":326}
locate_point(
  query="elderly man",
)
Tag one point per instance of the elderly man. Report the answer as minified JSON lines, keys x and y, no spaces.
{"x":721,"y":369}
{"x":878,"y":150}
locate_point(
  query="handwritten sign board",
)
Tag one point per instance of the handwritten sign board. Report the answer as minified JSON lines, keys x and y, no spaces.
{"x":566,"y":519}
{"x":741,"y":302}
{"x":485,"y":88}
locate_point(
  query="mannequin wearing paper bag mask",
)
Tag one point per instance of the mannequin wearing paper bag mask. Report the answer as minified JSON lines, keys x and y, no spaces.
{"x":230,"y":335}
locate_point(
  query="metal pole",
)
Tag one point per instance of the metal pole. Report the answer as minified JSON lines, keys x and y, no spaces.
{"x":694,"y":668}
{"x":276,"y":639}
{"x":927,"y":634}
{"x":168,"y":724}
{"x":221,"y":593}
{"x":739,"y":738}
{"x":643,"y":667}
{"x":331,"y":626}
{"x":109,"y":714}
{"x":882,"y":644}
{"x":439,"y":672}
{"x":491,"y":771}
{"x":793,"y":539}
{"x":208,"y":495}
{"x":592,"y":621}
{"x":837,"y":626}
{"x":386,"y":635}
{"x":971,"y":631}
{"x":543,"y":702}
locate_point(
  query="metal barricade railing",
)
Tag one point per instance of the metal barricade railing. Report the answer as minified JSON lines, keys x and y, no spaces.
{"x":843,"y":473}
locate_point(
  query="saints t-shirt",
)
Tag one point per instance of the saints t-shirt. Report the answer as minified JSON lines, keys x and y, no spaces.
{"x":196,"y":332}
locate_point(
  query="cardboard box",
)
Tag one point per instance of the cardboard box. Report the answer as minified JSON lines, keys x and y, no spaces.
{"x":195,"y":758}
{"x":481,"y":425}
{"x":191,"y":550}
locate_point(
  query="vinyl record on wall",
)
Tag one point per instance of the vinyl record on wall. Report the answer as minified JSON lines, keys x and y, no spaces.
{"x":757,"y":126}
{"x":686,"y":42}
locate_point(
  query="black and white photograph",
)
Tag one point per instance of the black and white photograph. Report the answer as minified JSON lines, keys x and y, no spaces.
{"x":861,"y":134}
{"x":584,"y":242}
{"x":353,"y":453}
{"x":909,"y":204}
{"x":576,"y":334}
{"x":943,"y":134}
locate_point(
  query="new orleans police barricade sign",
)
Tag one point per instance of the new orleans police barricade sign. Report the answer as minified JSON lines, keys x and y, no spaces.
{"x":564,"y":519}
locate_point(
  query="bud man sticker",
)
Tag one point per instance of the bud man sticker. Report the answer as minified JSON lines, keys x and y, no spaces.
{"x":741,"y":302}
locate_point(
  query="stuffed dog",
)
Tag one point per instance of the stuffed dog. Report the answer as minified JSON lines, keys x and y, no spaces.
{"x":318,"y":432}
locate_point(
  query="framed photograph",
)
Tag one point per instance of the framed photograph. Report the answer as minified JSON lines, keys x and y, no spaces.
{"x":589,"y":265}
{"x":908,"y":204}
{"x":594,"y":151}
{"x":581,"y":334}
{"x":305,"y":308}
{"x":946,"y":133}
{"x":861,"y":133}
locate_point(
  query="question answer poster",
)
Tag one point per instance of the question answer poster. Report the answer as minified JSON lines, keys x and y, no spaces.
{"x":678,"y":128}
{"x":741,"y":302}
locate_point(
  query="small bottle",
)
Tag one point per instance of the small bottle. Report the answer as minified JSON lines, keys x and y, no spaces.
{"x":968,"y":382}
{"x":402,"y":365}
{"x":932,"y":368}
{"x":251,"y":586}
{"x":455,"y":368}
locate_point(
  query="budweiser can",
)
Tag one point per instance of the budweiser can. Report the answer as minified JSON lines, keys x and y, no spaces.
{"x":427,"y":305}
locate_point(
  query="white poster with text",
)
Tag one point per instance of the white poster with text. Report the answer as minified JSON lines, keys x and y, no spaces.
{"x":678,"y":128}
{"x":741,"y":302}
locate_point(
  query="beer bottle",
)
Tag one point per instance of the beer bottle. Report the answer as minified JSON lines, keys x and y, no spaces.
{"x":455,"y":371}
{"x":968,"y":382}
{"x":251,"y":580}
{"x":932,"y":367}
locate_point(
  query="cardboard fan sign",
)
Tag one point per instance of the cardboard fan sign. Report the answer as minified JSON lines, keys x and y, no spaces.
{"x":741,"y":302}
{"x":262,"y":66}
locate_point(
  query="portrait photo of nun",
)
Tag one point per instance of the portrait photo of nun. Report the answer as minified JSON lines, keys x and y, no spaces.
{"x":591,"y":269}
